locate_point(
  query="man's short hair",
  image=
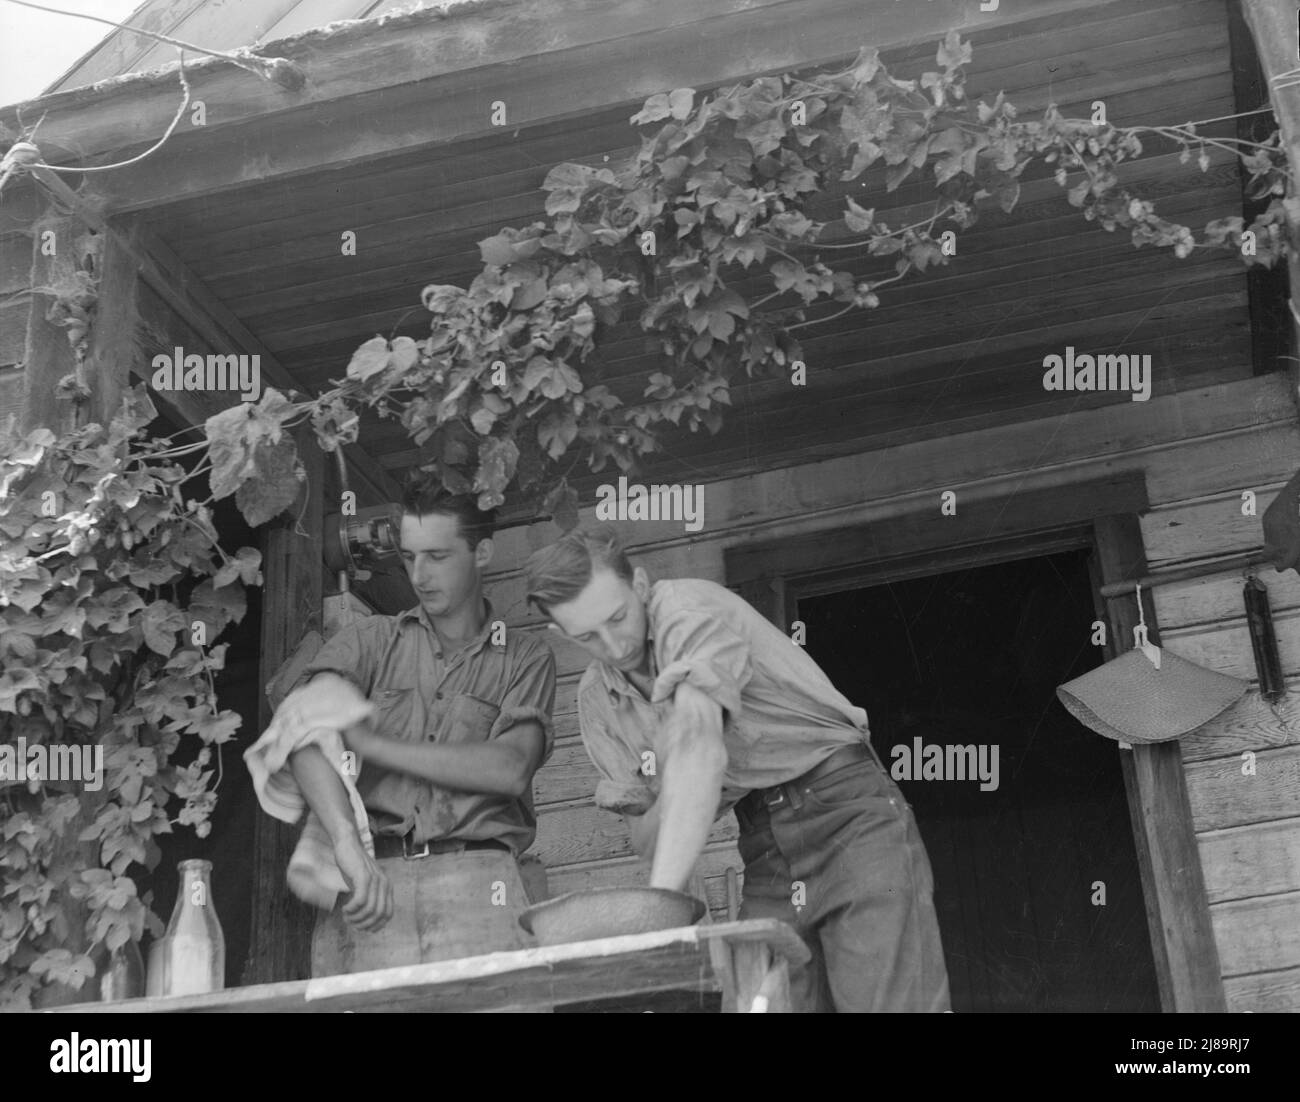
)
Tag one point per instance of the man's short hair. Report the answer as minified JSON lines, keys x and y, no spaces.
{"x":425,"y":499}
{"x":558,"y":573}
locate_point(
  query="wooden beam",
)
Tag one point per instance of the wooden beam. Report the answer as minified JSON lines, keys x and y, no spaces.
{"x":194,"y":301}
{"x":917,"y":528}
{"x":47,"y":355}
{"x":113,"y":355}
{"x":280,"y":947}
{"x":1178,"y":913}
{"x":548,"y":975}
{"x":370,"y":85}
{"x":1272,"y":24}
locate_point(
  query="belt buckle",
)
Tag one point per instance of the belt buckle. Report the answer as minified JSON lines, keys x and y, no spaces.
{"x":408,"y":854}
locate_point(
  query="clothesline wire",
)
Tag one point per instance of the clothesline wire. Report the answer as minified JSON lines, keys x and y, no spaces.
{"x":180,"y":111}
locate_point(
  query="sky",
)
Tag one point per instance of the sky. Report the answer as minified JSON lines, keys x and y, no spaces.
{"x":37,"y":48}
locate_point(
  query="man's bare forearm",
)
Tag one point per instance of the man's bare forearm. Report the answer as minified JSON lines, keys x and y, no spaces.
{"x":324,"y":792}
{"x":496,"y":767}
{"x":692,"y":785}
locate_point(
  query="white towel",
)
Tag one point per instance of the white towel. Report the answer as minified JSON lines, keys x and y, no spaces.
{"x":311,"y":714}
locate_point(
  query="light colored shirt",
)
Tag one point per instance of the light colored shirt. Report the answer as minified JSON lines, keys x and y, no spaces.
{"x":781,"y":714}
{"x":422,"y":693}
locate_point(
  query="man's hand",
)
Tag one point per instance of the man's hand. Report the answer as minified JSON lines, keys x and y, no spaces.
{"x":370,"y":904}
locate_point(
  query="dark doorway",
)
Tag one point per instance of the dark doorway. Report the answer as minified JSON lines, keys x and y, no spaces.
{"x":974,"y":657}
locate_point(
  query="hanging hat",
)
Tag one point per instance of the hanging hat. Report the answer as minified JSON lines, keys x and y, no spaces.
{"x":1130,"y":700}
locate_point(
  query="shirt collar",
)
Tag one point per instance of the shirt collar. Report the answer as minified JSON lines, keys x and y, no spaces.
{"x":476,"y":644}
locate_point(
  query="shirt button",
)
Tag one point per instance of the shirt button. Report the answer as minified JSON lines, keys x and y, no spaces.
{"x":437,"y":696}
{"x":438,"y":656}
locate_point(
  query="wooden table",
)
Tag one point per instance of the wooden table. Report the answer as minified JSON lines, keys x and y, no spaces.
{"x":747,"y":960}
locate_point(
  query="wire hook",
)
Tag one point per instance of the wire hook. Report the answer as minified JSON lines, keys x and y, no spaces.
{"x":1140,"y":639}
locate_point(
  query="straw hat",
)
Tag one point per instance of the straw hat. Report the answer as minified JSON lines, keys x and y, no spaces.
{"x":1129,"y":700}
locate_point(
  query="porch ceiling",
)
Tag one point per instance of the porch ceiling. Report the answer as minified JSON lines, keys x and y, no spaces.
{"x":959,"y":349}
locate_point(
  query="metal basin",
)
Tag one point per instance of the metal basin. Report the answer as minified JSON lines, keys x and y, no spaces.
{"x":609,"y":912}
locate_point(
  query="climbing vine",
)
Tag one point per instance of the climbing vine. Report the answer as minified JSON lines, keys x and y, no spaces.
{"x":707,"y":238}
{"x":113,"y":586}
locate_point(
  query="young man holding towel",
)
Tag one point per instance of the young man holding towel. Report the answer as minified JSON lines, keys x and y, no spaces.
{"x":462,"y":721}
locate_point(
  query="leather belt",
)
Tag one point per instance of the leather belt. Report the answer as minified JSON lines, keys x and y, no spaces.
{"x":401,"y":845}
{"x":788,"y":794}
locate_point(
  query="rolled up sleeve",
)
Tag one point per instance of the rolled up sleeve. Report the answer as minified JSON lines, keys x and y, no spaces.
{"x":697,"y":649}
{"x":530,"y":696}
{"x":622,"y":787}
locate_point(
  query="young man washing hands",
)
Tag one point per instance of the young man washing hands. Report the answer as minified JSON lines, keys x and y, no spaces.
{"x":696,"y":704}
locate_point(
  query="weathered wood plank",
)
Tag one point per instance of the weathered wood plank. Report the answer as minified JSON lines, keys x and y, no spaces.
{"x":978,"y":519}
{"x":1210,"y":526}
{"x":1243,"y":425}
{"x":1182,"y":937}
{"x":280,"y":946}
{"x":1218,"y":597}
{"x":15,"y":262}
{"x":1141,"y":282}
{"x":1255,"y":935}
{"x":114,"y":353}
{"x":1273,"y":992}
{"x":463,"y":199}
{"x":585,"y":832}
{"x":1250,"y":724}
{"x":1225,"y":646}
{"x":47,"y":356}
{"x":260,"y":288}
{"x":1257,"y":860}
{"x":11,"y":391}
{"x":1222,"y":796}
{"x":13,"y":324}
{"x":373,"y":82}
{"x":878,"y":486}
{"x":525,"y":978}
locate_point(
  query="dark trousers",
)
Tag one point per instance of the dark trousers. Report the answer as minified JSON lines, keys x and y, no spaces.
{"x":841,"y":860}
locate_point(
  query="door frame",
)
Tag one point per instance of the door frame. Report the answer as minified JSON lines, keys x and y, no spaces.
{"x":1100,"y":514}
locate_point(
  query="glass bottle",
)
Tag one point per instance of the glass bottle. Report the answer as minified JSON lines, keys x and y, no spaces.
{"x":193,"y":950}
{"x":153,"y":984}
{"x":120,"y":974}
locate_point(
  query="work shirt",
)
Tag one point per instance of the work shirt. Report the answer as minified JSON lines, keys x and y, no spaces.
{"x":781,"y":714}
{"x":422,"y":693}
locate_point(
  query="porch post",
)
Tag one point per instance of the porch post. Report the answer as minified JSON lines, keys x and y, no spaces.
{"x":280,"y":941}
{"x":1169,"y":859}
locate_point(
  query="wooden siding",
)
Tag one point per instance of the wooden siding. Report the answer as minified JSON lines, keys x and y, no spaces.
{"x":1197,"y":452}
{"x":15,"y":305}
